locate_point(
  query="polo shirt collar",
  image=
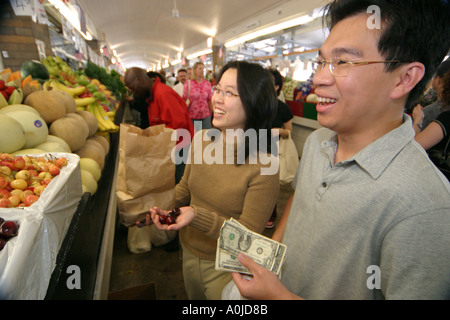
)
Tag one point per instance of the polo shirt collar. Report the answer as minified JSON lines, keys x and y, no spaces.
{"x":377,"y":156}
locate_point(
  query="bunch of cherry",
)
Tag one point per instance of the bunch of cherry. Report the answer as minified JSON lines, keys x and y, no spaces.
{"x":8,"y":230}
{"x":171,"y":217}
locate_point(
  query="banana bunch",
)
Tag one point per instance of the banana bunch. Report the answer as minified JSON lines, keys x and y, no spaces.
{"x":74,"y":92}
{"x":105,"y":124}
{"x":81,"y":103}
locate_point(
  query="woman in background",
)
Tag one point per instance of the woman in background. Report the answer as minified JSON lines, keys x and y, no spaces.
{"x":197,"y":93}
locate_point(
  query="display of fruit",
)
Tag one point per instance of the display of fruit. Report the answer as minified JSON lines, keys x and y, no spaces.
{"x":8,"y":229}
{"x":24,"y":178}
{"x":9,"y":93}
{"x":105,"y":123}
{"x":171,"y":217}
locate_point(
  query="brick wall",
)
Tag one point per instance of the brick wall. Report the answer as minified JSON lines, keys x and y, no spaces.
{"x":18,"y":36}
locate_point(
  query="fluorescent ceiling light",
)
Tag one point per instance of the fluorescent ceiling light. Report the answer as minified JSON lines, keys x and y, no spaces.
{"x":268,"y":30}
{"x":198,"y":54}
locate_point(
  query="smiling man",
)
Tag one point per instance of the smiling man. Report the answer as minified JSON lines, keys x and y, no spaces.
{"x":370,"y":215}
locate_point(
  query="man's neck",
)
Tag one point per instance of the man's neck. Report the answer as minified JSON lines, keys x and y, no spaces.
{"x":350,"y":144}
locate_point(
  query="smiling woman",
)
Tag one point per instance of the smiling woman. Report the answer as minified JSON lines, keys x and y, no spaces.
{"x":245,"y":100}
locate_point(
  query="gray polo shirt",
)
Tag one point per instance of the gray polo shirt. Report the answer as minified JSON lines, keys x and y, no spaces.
{"x":376,"y":226}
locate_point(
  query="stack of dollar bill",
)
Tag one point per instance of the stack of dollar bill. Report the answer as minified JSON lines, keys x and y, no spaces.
{"x":235,"y":238}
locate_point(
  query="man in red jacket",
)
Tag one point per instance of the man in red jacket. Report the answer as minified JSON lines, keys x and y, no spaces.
{"x":165,"y":106}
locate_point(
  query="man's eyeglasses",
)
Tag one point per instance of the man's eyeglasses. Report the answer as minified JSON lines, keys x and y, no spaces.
{"x":226,"y":94}
{"x":341,"y":68}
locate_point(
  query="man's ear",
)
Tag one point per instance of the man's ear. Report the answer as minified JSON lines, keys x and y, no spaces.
{"x":409,"y":76}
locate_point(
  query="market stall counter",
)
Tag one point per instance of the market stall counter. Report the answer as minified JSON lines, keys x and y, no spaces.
{"x":82,"y":262}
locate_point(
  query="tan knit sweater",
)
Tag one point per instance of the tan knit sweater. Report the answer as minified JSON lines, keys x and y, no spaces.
{"x":221,"y":191}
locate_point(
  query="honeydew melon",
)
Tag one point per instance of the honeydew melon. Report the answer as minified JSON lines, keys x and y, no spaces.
{"x":36,"y":130}
{"x":12,"y":135}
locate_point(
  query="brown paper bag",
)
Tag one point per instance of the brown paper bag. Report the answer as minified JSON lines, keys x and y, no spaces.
{"x":145,"y":174}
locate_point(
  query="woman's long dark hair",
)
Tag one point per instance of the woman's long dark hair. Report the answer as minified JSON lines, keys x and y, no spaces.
{"x":257,"y":92}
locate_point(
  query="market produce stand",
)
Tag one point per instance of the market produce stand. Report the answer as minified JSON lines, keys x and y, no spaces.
{"x":87,"y":247}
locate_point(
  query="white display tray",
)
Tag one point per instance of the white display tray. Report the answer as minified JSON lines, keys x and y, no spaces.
{"x":27,"y":261}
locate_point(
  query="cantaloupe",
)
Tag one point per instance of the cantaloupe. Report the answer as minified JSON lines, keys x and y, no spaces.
{"x":84,"y":128}
{"x":103,"y":141}
{"x":91,"y":121}
{"x":12,"y":135}
{"x":68,"y":129}
{"x":67,"y":99}
{"x":48,"y":104}
{"x":94,"y":152}
{"x":36,"y":130}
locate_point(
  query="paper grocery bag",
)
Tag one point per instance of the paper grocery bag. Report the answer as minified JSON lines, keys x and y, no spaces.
{"x":145,"y":174}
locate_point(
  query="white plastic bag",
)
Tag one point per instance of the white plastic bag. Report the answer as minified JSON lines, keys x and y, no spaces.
{"x":289,"y":160}
{"x":28,"y":260}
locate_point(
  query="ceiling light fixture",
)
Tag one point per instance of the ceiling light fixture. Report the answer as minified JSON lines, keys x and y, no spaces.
{"x":268,"y":30}
{"x":199,"y":54}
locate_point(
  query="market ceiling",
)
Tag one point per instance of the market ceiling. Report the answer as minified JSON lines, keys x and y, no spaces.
{"x":147,"y":32}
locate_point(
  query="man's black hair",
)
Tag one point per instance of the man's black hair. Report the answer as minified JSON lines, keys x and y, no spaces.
{"x":412,"y":31}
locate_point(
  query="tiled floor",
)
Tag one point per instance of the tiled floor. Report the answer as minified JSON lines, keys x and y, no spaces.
{"x":160,"y":266}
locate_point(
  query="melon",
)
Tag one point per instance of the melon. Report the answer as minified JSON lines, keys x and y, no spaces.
{"x":67,"y":99}
{"x":91,"y":121}
{"x":36,"y":130}
{"x":92,"y":166}
{"x":28,"y":151}
{"x":64,"y":145}
{"x":88,"y":181}
{"x":12,"y":135}
{"x":68,"y":129}
{"x":93,"y":152}
{"x":34,"y":68}
{"x":84,"y":128}
{"x":48,"y":104}
{"x":53,"y":147}
{"x":103,"y":141}
{"x":18,"y":107}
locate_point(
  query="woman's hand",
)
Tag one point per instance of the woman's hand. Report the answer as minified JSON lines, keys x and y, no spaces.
{"x":264,"y":285}
{"x":187,"y":215}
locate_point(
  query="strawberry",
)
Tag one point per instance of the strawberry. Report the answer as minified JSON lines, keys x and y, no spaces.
{"x":10,"y":90}
{"x":4,"y":94}
{"x":2,"y":84}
